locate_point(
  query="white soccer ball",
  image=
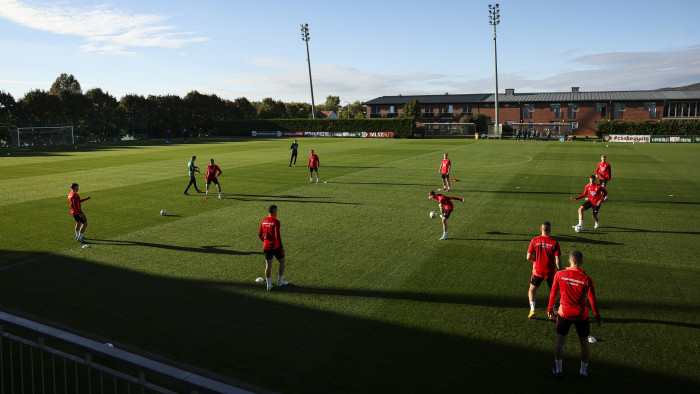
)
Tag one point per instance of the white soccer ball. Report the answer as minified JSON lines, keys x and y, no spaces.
{"x":578,"y":229}
{"x":163,"y":212}
{"x":433,"y":214}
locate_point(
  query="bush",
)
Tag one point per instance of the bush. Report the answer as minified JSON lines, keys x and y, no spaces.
{"x":648,"y":127}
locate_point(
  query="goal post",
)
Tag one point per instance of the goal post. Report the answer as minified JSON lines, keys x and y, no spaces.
{"x":450,"y":130}
{"x":45,"y":135}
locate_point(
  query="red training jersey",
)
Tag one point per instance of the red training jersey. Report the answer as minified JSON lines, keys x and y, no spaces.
{"x":574,"y":284}
{"x":74,"y":202}
{"x":543,"y":250}
{"x":269,"y":233}
{"x":604,"y":171}
{"x":445,"y":201}
{"x":595,"y":193}
{"x":445,"y":166}
{"x":212,"y":170}
{"x":313,"y":161}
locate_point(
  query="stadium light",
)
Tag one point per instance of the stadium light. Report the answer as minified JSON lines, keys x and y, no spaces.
{"x":305,"y":37}
{"x":348,"y":103}
{"x":495,"y":19}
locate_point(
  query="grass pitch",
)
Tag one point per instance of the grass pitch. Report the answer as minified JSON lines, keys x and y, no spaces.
{"x":376,"y":303}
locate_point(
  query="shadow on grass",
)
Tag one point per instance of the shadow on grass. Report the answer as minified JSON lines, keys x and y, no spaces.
{"x":355,"y":167}
{"x":293,"y":199}
{"x":650,"y":321}
{"x":214,"y":249}
{"x":655,"y":202}
{"x":383,"y":184}
{"x":515,"y":192}
{"x":234,"y":330}
{"x":560,"y":238}
{"x":642,"y":230}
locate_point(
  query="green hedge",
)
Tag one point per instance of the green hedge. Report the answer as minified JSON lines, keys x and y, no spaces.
{"x":648,"y":127}
{"x":401,"y":127}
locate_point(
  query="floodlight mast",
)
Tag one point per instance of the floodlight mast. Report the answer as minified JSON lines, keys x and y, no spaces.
{"x":305,"y":38}
{"x":495,"y":19}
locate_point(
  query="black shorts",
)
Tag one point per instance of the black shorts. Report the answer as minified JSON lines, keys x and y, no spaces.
{"x":537,"y":281}
{"x":583,"y":328}
{"x":586,"y":205}
{"x":445,"y":176}
{"x":214,"y":181}
{"x":446,"y":213}
{"x":311,"y":169}
{"x":80,"y":218}
{"x":278,"y":253}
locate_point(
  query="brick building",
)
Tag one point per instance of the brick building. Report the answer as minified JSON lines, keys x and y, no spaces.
{"x":579,"y":109}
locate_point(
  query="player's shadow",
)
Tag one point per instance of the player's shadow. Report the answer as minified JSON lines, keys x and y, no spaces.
{"x":613,"y":320}
{"x":357,"y":167}
{"x":514,"y":192}
{"x":655,"y":202}
{"x":384,"y":184}
{"x":213,"y":249}
{"x":294,"y":199}
{"x":286,"y":196}
{"x":560,"y":238}
{"x":642,"y":230}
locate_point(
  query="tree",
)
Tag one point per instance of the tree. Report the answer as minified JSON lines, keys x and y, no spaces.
{"x":352,"y":110}
{"x":332,"y":104}
{"x":271,"y":109}
{"x":244,"y":109}
{"x":412,"y":109}
{"x":298,"y":110}
{"x":65,"y":83}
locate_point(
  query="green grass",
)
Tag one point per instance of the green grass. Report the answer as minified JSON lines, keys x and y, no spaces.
{"x":377,"y":303}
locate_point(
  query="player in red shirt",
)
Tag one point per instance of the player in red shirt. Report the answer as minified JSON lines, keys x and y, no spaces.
{"x":604,"y":171}
{"x":77,"y":211}
{"x":445,"y":172}
{"x":269,"y":233}
{"x":313,"y":166}
{"x":213,"y":172}
{"x":574,"y":285}
{"x":544,"y":253}
{"x":595,"y":194}
{"x":446,"y":208}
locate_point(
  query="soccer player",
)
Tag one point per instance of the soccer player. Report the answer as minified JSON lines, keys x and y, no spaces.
{"x":211,"y":177}
{"x":313,"y":166}
{"x":595,"y":194}
{"x":544,"y":254}
{"x":294,"y":148}
{"x":269,"y":233}
{"x":573,"y":283}
{"x":191,"y":169}
{"x":76,"y":210}
{"x":446,"y":208}
{"x":604,"y":172}
{"x":445,"y":173}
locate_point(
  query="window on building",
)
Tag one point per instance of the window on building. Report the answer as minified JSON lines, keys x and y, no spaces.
{"x":571,"y":110}
{"x":574,"y":125}
{"x":602,"y":108}
{"x":651,"y":108}
{"x":528,"y":109}
{"x":428,"y":111}
{"x":467,"y":110}
{"x":375,"y":109}
{"x":392,"y":109}
{"x":556,"y":108}
{"x":618,"y":109}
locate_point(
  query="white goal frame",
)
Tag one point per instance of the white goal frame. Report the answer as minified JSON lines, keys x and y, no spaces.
{"x":45,"y":129}
{"x":450,"y":126}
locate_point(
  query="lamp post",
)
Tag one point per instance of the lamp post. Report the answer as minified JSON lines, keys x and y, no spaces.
{"x":305,"y":38}
{"x":495,"y":19}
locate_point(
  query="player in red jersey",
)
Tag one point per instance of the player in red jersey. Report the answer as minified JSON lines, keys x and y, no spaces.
{"x":213,"y":172}
{"x":544,"y":253}
{"x":77,"y":211}
{"x":313,"y":166}
{"x":445,"y":172}
{"x":269,"y":233}
{"x":604,"y":172}
{"x":446,"y":208}
{"x":595,"y":194}
{"x":574,"y":284}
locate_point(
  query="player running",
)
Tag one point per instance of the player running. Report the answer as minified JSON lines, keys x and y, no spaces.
{"x":211,"y":177}
{"x":313,"y":165}
{"x":604,"y":172}
{"x":445,"y":173}
{"x":269,"y":233}
{"x":544,"y":254}
{"x":294,"y":148}
{"x":77,"y":211}
{"x":573,"y":283}
{"x":446,"y":208}
{"x":595,"y":194}
{"x":191,"y":169}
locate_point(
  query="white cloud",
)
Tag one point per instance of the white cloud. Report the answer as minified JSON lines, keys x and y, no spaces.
{"x":105,"y":30}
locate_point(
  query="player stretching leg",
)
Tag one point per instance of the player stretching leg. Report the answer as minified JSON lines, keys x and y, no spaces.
{"x":595,"y":194}
{"x":446,"y":208}
{"x":544,"y":253}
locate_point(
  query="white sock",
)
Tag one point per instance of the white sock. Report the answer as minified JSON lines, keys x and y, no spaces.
{"x":77,"y":234}
{"x":580,"y":223}
{"x":268,"y":281}
{"x":532,"y":306}
{"x":557,"y":364}
{"x":279,"y":279}
{"x":584,"y":368}
{"x":444,"y":234}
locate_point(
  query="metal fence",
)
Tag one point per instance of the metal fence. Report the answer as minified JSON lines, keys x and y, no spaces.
{"x":35,"y":358}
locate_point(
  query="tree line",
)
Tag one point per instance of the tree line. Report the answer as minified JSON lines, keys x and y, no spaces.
{"x":98,"y":116}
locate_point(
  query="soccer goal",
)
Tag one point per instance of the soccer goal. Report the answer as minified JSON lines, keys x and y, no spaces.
{"x":450,"y":130}
{"x":45,"y":136}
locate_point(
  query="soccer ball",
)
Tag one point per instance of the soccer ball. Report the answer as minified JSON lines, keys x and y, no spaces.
{"x":433,"y":214}
{"x":163,"y":212}
{"x":578,"y":229}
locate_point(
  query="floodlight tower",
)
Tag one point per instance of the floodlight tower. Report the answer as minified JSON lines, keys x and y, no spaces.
{"x":495,"y":19}
{"x":305,"y":38}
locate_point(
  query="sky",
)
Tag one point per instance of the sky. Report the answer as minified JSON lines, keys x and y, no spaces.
{"x":358,"y":50}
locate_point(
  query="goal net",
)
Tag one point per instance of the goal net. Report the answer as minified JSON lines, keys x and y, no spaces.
{"x":44,"y":136}
{"x":450,"y":130}
{"x":540,"y":131}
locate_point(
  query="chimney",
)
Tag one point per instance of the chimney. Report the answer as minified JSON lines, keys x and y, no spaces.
{"x":510,"y":92}
{"x":574,"y":89}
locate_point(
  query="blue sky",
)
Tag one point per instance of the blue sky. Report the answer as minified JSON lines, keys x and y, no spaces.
{"x":359,"y":51}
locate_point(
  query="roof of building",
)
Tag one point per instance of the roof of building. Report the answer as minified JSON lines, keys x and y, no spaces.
{"x":573,"y":96}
